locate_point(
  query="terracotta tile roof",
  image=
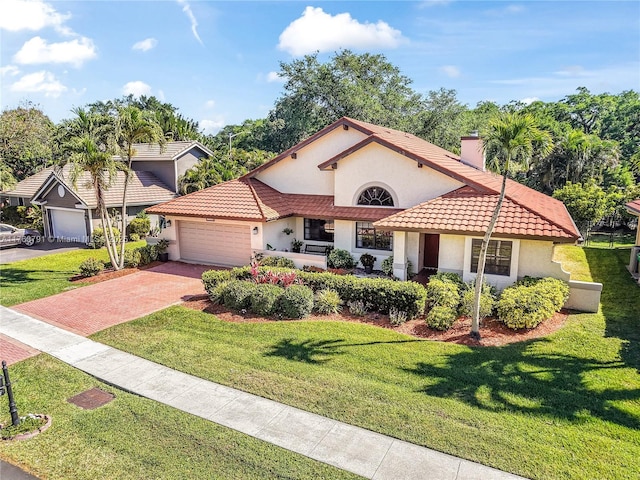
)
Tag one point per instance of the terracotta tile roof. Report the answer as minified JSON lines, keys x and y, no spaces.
{"x":251,"y":199}
{"x":466,"y":210}
{"x":28,"y":187}
{"x":634,"y":206}
{"x":144,"y":188}
{"x":171,"y":151}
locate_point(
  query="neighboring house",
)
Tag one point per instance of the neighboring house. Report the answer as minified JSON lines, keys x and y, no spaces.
{"x":365,"y":188}
{"x":634,"y":262}
{"x":69,"y":211}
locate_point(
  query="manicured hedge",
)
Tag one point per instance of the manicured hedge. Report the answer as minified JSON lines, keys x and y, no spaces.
{"x":264,"y":299}
{"x":277,"y":262}
{"x":295,"y":302}
{"x":531,"y":301}
{"x":378,"y":294}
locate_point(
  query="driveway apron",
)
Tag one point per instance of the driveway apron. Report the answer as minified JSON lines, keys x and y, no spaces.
{"x":92,"y":308}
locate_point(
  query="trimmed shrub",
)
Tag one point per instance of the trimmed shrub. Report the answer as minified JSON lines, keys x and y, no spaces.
{"x":443,"y":293}
{"x":132,"y":258}
{"x":357,"y":307}
{"x":97,"y":237}
{"x":216,"y":293}
{"x":295,"y":302}
{"x":212,"y":278}
{"x":441,"y":317}
{"x":327,"y":302}
{"x":387,"y":266}
{"x":91,"y":267}
{"x":148,"y":254}
{"x":339,"y":258}
{"x":531,"y":301}
{"x":237,"y":294}
{"x":134,"y":237}
{"x":264,"y":298}
{"x":448,"y":277}
{"x":397,"y":317}
{"x":487,"y":300}
{"x":139,"y":226}
{"x":277,"y":262}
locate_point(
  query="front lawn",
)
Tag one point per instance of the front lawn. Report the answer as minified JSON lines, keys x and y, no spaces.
{"x":133,"y":437}
{"x":44,"y":276}
{"x":564,"y":406}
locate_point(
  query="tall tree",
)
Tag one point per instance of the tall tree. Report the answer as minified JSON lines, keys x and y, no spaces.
{"x":514,"y":137}
{"x":133,"y":125}
{"x":366,"y":87}
{"x":7,"y":180}
{"x":443,"y":120}
{"x":26,"y":136}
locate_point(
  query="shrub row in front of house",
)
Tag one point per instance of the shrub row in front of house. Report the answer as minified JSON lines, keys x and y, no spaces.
{"x":375,"y":294}
{"x":132,"y":258}
{"x":523,"y":305}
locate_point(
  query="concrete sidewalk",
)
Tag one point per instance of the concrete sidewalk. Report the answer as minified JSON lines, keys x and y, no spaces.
{"x":350,"y":448}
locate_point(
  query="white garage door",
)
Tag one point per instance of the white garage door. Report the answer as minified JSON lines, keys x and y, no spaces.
{"x":217,"y":244}
{"x":68,"y":224}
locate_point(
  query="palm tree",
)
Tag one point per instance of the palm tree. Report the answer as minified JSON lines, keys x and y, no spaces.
{"x":86,"y":155}
{"x":202,"y":175}
{"x":513,"y":137}
{"x":133,"y":126}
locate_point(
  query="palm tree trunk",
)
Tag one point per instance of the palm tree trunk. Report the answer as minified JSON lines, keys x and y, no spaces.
{"x":123,"y":230}
{"x":482,"y":259}
{"x":106,"y":225}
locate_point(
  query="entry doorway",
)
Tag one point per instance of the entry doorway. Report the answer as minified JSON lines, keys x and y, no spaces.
{"x":431,"y":251}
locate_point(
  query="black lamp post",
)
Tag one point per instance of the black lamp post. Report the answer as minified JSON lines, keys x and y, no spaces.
{"x":5,"y":386}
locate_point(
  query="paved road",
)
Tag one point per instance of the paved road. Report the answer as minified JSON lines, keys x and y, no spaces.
{"x":14,"y":254}
{"x":11,"y":472}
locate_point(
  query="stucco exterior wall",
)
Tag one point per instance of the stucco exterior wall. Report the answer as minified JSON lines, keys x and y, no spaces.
{"x":536,"y":260}
{"x":377,"y":165}
{"x":451,"y":254}
{"x":53,"y":199}
{"x":301,"y":175}
{"x":186,"y":161}
{"x":272,"y":234}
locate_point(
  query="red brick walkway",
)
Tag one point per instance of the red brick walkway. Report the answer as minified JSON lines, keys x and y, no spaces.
{"x":89,"y":309}
{"x":13,"y":351}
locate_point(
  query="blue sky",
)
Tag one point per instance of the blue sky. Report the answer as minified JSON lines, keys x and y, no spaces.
{"x":216,"y":61}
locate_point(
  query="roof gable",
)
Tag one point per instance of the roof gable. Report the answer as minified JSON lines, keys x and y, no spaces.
{"x":634,"y":207}
{"x":170,"y":151}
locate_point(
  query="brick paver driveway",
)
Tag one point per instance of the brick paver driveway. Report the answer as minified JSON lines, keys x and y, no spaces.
{"x":89,"y":309}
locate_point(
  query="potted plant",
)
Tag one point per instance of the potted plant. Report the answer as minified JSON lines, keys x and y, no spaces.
{"x":287,"y":231}
{"x":161,"y":247}
{"x":367,"y":260}
{"x":296,"y":245}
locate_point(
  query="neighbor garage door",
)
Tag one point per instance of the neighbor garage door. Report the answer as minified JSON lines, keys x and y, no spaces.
{"x":218,"y":244}
{"x":68,"y":224}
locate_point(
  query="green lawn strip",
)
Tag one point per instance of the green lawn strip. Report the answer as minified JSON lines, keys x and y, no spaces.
{"x":574,"y":260}
{"x":565,"y":406}
{"x":134,"y":438}
{"x":47,"y":275}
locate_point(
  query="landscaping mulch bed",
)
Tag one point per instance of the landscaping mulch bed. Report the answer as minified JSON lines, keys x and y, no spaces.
{"x":109,"y":273}
{"x":493,"y":332}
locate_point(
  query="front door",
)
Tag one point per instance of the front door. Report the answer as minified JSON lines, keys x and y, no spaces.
{"x":431,"y":250}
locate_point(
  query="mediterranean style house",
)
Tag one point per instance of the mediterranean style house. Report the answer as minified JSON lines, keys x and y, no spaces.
{"x":370,"y":189}
{"x":69,"y":210}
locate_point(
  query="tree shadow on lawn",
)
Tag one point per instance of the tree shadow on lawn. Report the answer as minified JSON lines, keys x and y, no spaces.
{"x":10,"y":276}
{"x":620,"y":300}
{"x":515,"y":379}
{"x":317,"y":351}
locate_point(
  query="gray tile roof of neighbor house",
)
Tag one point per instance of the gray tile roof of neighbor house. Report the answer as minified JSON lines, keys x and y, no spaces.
{"x":170,"y":151}
{"x":29,"y":186}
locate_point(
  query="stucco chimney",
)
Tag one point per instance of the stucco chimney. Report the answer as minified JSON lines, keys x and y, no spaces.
{"x":471,"y":151}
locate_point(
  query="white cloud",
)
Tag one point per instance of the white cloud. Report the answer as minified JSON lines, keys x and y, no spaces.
{"x":160,"y":95}
{"x":136,"y":88}
{"x":16,"y":15}
{"x":274,"y":77}
{"x":317,"y":30}
{"x":450,"y":71}
{"x":210,"y":104}
{"x":186,"y":8}
{"x":10,"y":70}
{"x":145,"y":45}
{"x":43,"y":82}
{"x":211,"y":127}
{"x":572,"y":71}
{"x":75,"y":52}
{"x":529,"y":100}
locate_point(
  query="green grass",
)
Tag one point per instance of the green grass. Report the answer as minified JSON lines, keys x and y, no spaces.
{"x":574,"y":260}
{"x":565,"y":406}
{"x":44,"y":276}
{"x":617,"y":240}
{"x":135,"y":438}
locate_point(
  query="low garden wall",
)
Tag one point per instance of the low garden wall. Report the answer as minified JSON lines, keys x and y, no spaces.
{"x":583,"y":296}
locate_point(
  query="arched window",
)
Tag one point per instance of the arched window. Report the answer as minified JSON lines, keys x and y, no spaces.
{"x":377,"y":196}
